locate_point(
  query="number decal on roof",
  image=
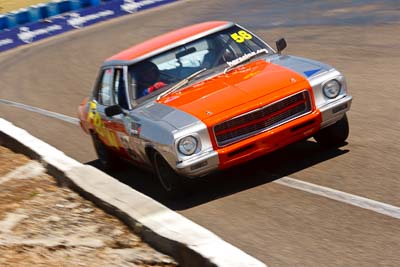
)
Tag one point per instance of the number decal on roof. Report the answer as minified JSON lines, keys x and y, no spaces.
{"x":241,"y":36}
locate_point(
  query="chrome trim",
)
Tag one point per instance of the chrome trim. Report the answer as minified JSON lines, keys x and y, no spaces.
{"x":328,"y":113}
{"x":319,"y":80}
{"x":242,"y":137}
{"x":127,"y":87}
{"x":209,"y":156}
{"x":162,"y":127}
{"x":198,"y":147}
{"x":323,"y":88}
{"x":200,"y":131}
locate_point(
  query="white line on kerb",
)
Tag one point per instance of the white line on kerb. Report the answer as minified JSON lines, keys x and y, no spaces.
{"x":354,"y":200}
{"x":327,"y":192}
{"x":42,"y":111}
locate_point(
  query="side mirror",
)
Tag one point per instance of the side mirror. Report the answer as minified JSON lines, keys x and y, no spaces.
{"x":280,"y":45}
{"x":113,"y":110}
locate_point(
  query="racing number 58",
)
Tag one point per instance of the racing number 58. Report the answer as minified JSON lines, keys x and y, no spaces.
{"x":241,"y":36}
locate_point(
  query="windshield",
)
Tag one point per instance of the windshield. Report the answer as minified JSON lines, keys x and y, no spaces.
{"x":168,"y":68}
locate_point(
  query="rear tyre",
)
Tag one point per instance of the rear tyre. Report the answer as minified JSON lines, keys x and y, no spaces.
{"x":334,"y":135}
{"x":108,"y":159}
{"x":171,"y":183}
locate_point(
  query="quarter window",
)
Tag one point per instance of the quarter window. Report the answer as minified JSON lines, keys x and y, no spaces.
{"x":105,"y":93}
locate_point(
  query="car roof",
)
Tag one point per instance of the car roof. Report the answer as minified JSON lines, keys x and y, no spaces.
{"x":166,"y":41}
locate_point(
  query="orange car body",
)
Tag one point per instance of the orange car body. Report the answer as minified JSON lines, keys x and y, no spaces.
{"x":241,"y":110}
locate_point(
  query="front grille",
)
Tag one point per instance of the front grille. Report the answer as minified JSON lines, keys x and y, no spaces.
{"x":262,"y":119}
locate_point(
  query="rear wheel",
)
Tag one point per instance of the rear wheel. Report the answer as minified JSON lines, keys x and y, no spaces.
{"x":335,"y":134}
{"x":108,"y":159}
{"x":172,"y":183}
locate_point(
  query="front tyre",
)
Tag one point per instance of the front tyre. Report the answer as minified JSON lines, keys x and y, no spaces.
{"x":172,"y":183}
{"x":334,"y":135}
{"x":108,"y":159}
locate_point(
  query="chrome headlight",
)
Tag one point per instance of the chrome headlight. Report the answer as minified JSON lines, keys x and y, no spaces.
{"x":331,"y":89}
{"x":187,"y":145}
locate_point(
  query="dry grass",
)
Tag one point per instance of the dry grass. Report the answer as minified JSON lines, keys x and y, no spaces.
{"x":11,"y":5}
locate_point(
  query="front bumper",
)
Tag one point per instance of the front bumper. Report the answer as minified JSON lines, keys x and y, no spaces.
{"x":334,"y":111}
{"x":199,"y":165}
{"x":211,"y":160}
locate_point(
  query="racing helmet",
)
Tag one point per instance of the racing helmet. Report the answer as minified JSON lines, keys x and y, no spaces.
{"x":147,"y":74}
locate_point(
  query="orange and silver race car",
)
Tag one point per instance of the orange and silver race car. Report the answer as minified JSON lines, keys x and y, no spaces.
{"x":208,"y":97}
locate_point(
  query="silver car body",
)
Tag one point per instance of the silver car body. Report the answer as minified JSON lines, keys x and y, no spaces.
{"x":154,"y":126}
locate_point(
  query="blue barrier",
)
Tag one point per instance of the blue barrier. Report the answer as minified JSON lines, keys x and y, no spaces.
{"x":75,"y":4}
{"x":87,"y":3}
{"x":3,"y":22}
{"x":35,"y":13}
{"x":11,"y":19}
{"x":69,"y":5}
{"x":64,"y":6}
{"x":41,"y":11}
{"x":22,"y":16}
{"x":41,"y":29}
{"x":52,"y":9}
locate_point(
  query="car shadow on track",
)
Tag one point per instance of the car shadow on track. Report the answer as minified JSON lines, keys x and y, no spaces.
{"x":266,"y":169}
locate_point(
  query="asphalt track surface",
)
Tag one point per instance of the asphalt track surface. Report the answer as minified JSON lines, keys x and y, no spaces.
{"x":279,"y":225}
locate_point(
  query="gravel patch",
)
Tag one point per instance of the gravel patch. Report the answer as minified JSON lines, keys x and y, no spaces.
{"x":42,"y":224}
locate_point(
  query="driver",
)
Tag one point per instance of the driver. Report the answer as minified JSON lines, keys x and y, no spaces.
{"x":147,"y":78}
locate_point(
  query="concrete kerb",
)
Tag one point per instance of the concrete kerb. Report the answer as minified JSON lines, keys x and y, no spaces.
{"x":164,"y":229}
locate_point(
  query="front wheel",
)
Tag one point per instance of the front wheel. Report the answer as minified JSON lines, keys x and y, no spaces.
{"x":172,"y":183}
{"x":335,"y":134}
{"x":108,"y":159}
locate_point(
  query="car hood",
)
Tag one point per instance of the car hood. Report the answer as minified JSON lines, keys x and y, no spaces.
{"x":240,"y":90}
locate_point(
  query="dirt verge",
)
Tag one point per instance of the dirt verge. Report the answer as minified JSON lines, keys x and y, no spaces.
{"x":42,"y":224}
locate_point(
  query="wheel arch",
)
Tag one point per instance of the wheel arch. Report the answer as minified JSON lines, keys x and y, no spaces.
{"x":150,"y":151}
